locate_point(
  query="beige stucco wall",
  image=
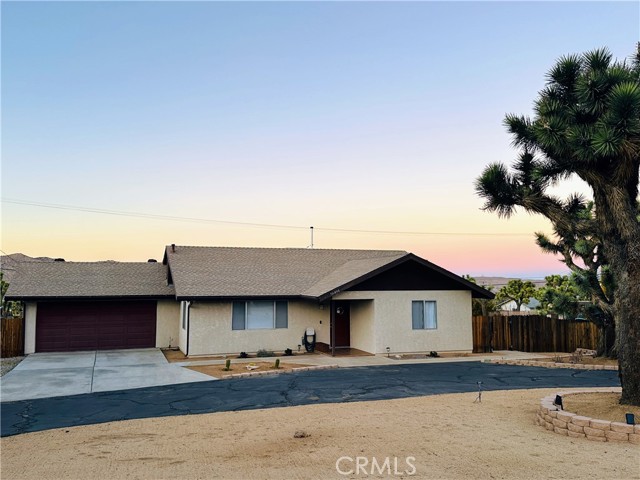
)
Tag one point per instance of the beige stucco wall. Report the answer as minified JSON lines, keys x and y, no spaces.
{"x":392,"y":321}
{"x":319,"y":317}
{"x":210,"y":329}
{"x":362,"y":315}
{"x":378,"y":320}
{"x":30,"y":312}
{"x":167,"y":323}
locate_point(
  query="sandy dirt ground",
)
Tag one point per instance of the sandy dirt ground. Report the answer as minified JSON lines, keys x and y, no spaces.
{"x":604,"y":406}
{"x":448,"y":436}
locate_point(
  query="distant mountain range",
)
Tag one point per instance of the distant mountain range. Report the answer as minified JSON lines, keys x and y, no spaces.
{"x":499,"y":282}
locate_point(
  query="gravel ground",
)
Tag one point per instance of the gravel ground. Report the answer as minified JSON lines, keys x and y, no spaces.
{"x":7,"y":364}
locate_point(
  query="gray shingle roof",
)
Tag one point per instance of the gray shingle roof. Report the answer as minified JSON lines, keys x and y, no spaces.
{"x":214,"y":272}
{"x":243,"y":272}
{"x":89,"y":279}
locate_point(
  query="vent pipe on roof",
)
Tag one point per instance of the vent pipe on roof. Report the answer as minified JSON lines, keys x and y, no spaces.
{"x":311,"y":229}
{"x":173,"y":248}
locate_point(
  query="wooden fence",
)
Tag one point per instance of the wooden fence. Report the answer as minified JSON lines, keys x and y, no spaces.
{"x":11,"y":337}
{"x":532,"y":333}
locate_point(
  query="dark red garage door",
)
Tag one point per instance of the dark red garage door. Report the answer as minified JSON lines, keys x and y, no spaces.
{"x":65,"y":327}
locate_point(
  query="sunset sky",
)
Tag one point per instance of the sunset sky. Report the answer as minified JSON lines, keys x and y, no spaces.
{"x":366,"y":116}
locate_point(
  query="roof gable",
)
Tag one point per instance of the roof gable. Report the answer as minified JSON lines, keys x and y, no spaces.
{"x":415,"y":273}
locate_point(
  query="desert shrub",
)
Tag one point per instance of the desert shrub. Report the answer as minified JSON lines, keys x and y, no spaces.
{"x":288,"y":352}
{"x":243,"y":355}
{"x":265,"y":353}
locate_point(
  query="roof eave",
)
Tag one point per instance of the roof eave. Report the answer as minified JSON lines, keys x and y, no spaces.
{"x":39,"y":298}
{"x":218,"y":298}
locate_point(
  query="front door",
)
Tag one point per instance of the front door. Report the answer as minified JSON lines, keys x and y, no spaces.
{"x":342,"y":324}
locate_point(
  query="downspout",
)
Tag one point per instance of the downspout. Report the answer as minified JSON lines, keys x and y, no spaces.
{"x":24,"y":326}
{"x":333,"y":328}
{"x":188,"y":319}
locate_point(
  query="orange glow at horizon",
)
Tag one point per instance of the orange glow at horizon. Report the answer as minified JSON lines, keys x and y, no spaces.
{"x":91,"y":237}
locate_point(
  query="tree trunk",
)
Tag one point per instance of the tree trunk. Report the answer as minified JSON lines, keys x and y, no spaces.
{"x":617,"y":217}
{"x":607,"y":339}
{"x":627,"y":307}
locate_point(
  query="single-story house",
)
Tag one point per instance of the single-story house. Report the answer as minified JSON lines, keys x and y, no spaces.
{"x":219,"y":300}
{"x":510,"y":306}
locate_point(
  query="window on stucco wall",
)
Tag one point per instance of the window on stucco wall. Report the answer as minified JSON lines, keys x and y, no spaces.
{"x":259,"y":315}
{"x":424,"y":315}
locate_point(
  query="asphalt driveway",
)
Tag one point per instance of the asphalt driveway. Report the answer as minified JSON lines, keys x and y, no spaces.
{"x":320,"y":386}
{"x":43,"y":375}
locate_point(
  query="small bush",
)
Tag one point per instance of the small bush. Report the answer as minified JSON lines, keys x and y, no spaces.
{"x":243,"y":355}
{"x":265,"y":353}
{"x":277,"y":364}
{"x":288,"y":352}
{"x":576,"y":357}
{"x":227,"y":365}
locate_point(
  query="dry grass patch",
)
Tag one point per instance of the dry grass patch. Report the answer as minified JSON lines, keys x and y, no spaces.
{"x":602,"y":406}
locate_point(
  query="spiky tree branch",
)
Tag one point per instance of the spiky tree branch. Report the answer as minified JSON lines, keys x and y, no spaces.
{"x":586,"y":122}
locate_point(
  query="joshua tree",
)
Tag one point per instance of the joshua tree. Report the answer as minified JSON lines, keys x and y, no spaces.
{"x":518,"y":291}
{"x":587,"y":123}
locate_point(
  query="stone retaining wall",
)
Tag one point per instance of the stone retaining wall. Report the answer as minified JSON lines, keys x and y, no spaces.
{"x":566,"y":423}
{"x":538,"y":363}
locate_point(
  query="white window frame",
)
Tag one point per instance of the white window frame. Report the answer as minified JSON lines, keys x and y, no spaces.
{"x":425,"y":324}
{"x":273,"y":325}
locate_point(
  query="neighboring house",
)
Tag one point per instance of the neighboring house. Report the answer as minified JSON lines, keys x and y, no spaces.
{"x":216,"y":300}
{"x":510,"y":306}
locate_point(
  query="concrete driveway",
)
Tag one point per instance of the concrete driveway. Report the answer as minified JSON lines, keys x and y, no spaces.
{"x":43,"y":375}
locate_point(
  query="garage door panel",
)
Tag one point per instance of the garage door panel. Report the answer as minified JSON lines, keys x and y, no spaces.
{"x":78,"y":344}
{"x":95,"y":325}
